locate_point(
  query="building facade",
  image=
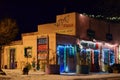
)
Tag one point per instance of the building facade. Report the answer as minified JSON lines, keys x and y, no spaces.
{"x":55,"y":44}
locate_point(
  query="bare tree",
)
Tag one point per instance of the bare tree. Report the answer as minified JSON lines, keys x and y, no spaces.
{"x":8,"y":32}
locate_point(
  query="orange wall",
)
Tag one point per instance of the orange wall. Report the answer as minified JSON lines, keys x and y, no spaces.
{"x":65,"y":24}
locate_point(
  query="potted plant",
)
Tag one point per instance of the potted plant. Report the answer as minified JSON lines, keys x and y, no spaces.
{"x":84,"y":67}
{"x":26,"y":69}
{"x":115,"y":68}
{"x":52,"y":68}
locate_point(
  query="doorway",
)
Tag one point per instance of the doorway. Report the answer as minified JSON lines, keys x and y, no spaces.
{"x":91,"y":58}
{"x":108,"y":59}
{"x":66,"y":58}
{"x":12,"y":58}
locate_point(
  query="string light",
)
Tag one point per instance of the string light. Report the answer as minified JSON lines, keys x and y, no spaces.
{"x":113,"y":18}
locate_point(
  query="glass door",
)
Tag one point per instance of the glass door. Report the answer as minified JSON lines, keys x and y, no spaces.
{"x":61,"y":56}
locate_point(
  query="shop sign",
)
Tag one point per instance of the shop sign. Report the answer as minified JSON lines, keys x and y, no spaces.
{"x":64,"y":21}
{"x":65,"y":24}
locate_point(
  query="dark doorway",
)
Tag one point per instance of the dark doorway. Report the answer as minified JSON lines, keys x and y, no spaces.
{"x":12,"y":58}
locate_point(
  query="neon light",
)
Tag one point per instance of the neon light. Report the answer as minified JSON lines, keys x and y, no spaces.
{"x":66,"y":69}
{"x":65,"y":52}
{"x":65,"y":57}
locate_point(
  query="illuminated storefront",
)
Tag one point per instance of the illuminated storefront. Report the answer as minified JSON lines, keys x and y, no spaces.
{"x":98,"y":55}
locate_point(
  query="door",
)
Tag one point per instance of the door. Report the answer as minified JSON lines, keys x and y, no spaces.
{"x":12,"y":58}
{"x":96,"y":61}
{"x":66,"y":58}
{"x":61,"y":56}
{"x":108,"y":58}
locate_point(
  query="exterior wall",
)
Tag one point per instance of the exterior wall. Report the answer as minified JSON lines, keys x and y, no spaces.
{"x":82,"y":25}
{"x":65,"y":24}
{"x":99,"y":26}
{"x":46,"y":28}
{"x":65,"y":39}
{"x":19,"y":56}
{"x":30,"y":41}
{"x":52,"y":48}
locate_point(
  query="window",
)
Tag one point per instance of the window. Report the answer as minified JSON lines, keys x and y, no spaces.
{"x":28,"y":52}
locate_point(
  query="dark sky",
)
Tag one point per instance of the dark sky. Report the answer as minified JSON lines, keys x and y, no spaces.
{"x":30,"y":13}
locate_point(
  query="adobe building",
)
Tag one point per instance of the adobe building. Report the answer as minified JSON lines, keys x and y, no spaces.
{"x":73,"y":40}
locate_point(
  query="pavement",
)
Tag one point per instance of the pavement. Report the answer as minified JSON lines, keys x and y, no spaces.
{"x":16,"y":74}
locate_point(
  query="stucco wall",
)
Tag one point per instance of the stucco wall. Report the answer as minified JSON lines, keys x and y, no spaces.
{"x":19,"y":56}
{"x":65,"y":24}
{"x":52,"y":48}
{"x":30,"y":41}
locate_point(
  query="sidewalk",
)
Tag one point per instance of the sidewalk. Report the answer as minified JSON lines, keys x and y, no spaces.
{"x":38,"y":75}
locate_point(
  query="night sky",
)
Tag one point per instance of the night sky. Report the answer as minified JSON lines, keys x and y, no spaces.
{"x":30,"y":13}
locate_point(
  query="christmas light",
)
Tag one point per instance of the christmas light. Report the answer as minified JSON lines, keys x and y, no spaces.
{"x":113,"y":18}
